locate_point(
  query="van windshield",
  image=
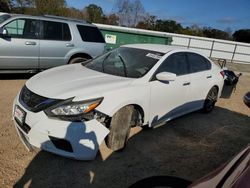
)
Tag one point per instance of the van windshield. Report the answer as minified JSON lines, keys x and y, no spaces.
{"x":4,"y":17}
{"x":125,"y":62}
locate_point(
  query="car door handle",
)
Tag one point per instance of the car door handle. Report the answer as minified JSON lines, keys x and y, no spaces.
{"x":70,"y":45}
{"x":209,"y":76}
{"x":186,"y":84}
{"x":30,"y":43}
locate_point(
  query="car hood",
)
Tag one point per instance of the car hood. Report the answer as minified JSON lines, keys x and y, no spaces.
{"x":74,"y":81}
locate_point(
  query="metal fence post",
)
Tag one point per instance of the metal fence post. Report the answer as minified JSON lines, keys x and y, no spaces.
{"x":212,"y":48}
{"x":234,"y":52}
{"x":189,"y":43}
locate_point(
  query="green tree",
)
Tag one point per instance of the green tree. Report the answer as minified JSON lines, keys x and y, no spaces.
{"x":74,"y":13}
{"x":215,"y":33}
{"x":195,"y":30}
{"x":242,"y":35}
{"x":95,"y":13}
{"x":5,"y":6}
{"x":52,"y":7}
{"x":148,"y":23}
{"x":187,"y":31}
{"x":111,"y":19}
{"x":168,"y":26}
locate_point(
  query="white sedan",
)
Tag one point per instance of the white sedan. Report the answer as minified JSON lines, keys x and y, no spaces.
{"x":70,"y":110}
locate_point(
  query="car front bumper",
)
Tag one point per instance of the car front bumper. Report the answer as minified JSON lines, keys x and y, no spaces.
{"x":78,"y":140}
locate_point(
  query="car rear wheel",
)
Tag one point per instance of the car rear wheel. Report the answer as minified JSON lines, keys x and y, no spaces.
{"x":119,"y":128}
{"x":210,"y":100}
{"x":77,"y":60}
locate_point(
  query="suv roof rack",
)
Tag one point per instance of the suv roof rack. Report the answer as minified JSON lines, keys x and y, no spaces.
{"x":65,"y":18}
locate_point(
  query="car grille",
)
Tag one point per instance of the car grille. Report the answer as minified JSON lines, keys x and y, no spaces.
{"x":34,"y":102}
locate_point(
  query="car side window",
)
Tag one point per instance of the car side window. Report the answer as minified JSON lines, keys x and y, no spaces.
{"x":56,"y":31}
{"x":198,"y":63}
{"x":23,"y":28}
{"x":175,"y":63}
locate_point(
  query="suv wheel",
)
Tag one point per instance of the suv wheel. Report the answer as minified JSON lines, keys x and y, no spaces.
{"x":77,"y":60}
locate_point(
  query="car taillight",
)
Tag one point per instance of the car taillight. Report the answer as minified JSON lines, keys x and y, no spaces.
{"x":222,"y":73}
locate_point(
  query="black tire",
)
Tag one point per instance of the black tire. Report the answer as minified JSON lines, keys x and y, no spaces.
{"x":77,"y":60}
{"x":210,"y":100}
{"x":119,"y":128}
{"x":146,"y":128}
{"x":161,"y":181}
{"x":247,"y":99}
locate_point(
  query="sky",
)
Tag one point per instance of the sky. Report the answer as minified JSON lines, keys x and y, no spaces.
{"x":220,"y":14}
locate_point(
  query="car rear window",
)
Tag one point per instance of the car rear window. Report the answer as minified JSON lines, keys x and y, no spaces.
{"x":90,"y":34}
{"x":56,"y":31}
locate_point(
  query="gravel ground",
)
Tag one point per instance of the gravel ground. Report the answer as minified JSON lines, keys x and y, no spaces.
{"x":187,"y":147}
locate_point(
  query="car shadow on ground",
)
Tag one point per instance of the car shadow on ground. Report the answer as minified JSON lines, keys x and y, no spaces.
{"x":188,"y":147}
{"x":19,"y":76}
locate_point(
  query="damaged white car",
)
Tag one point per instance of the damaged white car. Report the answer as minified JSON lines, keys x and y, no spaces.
{"x":70,"y":110}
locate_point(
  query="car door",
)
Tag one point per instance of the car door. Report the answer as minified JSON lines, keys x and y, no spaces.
{"x":168,"y":99}
{"x":20,"y":50}
{"x":55,"y":44}
{"x":201,"y":79}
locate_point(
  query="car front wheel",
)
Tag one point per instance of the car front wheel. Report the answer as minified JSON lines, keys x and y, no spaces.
{"x":119,"y":128}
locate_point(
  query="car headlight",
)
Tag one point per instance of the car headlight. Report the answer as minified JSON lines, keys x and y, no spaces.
{"x":73,"y":111}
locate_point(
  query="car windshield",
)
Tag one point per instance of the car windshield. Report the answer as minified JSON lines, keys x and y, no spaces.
{"x":126,"y":62}
{"x":4,"y":17}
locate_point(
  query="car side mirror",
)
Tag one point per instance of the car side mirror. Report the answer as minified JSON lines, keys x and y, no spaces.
{"x":3,"y":32}
{"x":166,"y":76}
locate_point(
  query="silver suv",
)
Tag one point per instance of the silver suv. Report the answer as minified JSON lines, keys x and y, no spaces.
{"x":33,"y":43}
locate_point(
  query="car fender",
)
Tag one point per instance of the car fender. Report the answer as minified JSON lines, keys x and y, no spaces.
{"x":76,"y":51}
{"x":115,"y":100}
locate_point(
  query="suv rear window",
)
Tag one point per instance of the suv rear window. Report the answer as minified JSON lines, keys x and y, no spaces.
{"x":90,"y":34}
{"x":56,"y":31}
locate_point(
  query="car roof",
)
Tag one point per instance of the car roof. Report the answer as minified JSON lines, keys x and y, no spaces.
{"x":156,"y":47}
{"x":53,"y":18}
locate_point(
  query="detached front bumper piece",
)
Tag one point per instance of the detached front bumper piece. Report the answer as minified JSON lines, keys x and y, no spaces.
{"x":78,"y":140}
